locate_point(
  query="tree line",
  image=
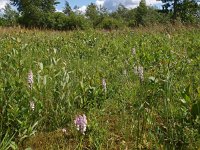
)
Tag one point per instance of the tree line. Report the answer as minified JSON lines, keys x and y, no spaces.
{"x":42,"y":14}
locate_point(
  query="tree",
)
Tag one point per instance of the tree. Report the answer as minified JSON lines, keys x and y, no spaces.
{"x":45,"y":5}
{"x":67,"y":9}
{"x":34,"y":11}
{"x":188,"y":11}
{"x":110,"y":23}
{"x":76,"y":9}
{"x":180,"y":8}
{"x":10,"y":15}
{"x":141,"y":12}
{"x":92,"y":14}
{"x":122,"y":11}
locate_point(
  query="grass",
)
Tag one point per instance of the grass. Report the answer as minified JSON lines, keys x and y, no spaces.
{"x":160,"y":112}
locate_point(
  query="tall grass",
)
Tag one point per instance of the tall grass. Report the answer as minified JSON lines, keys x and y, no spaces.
{"x":149,"y":99}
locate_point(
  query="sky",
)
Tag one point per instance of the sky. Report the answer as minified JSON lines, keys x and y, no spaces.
{"x":109,"y":4}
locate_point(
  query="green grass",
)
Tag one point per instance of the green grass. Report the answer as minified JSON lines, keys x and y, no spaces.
{"x":161,"y":112}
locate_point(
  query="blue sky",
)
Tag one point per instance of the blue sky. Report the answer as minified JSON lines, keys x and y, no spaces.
{"x":72,"y":3}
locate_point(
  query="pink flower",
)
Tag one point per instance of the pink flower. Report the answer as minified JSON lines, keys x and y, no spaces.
{"x":139,"y":70}
{"x":30,"y":79}
{"x":104,"y":84}
{"x":81,"y":123}
{"x":141,"y":73}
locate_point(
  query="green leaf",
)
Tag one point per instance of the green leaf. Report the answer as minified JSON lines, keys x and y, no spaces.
{"x":195,"y":111}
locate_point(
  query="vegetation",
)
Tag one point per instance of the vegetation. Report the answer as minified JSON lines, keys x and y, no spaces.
{"x":132,"y":88}
{"x":138,"y":89}
{"x":42,"y":14}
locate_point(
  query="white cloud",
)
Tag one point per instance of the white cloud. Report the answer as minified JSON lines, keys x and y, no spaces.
{"x":3,"y":3}
{"x":99,"y":2}
{"x":58,"y":10}
{"x":113,"y":4}
{"x":82,"y":9}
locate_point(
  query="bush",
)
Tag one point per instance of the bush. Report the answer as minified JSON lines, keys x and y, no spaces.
{"x":55,"y":21}
{"x":154,"y":17}
{"x":109,"y":23}
{"x":77,"y":22}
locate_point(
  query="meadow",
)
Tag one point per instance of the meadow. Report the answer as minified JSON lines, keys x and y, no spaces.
{"x":139,"y":89}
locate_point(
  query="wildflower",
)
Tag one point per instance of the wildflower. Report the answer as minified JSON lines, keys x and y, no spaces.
{"x":81,"y":123}
{"x":125,"y":72}
{"x":168,"y":35}
{"x":64,"y":130}
{"x":32,"y":105}
{"x":133,"y":51}
{"x":135,"y":70}
{"x":104,"y":84}
{"x":141,"y":73}
{"x":30,"y":79}
{"x":139,"y":70}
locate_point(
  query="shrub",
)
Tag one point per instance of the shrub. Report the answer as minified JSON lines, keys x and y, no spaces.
{"x":109,"y":23}
{"x":76,"y":22}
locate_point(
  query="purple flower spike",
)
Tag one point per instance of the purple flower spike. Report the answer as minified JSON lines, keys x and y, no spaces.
{"x":32,"y":105}
{"x":104,"y":84}
{"x":133,"y":51}
{"x":141,"y":73}
{"x":30,"y":79}
{"x":81,"y":123}
{"x":139,"y":70}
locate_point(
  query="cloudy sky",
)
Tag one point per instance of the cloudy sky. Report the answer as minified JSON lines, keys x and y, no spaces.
{"x":109,"y":4}
{"x":3,"y":3}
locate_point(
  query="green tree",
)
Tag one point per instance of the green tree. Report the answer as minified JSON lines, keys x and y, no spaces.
{"x":67,"y":9}
{"x":127,"y":16}
{"x":10,"y":15}
{"x":110,"y":23}
{"x":184,"y":9}
{"x":33,"y":11}
{"x":45,"y":5}
{"x":77,"y":21}
{"x":188,"y":11}
{"x":141,"y":13}
{"x":93,"y":14}
{"x":153,"y":17}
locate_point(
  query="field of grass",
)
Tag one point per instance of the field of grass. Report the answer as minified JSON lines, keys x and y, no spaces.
{"x":139,"y":89}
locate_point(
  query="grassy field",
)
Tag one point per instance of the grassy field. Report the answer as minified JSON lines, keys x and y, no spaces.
{"x":139,"y":89}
